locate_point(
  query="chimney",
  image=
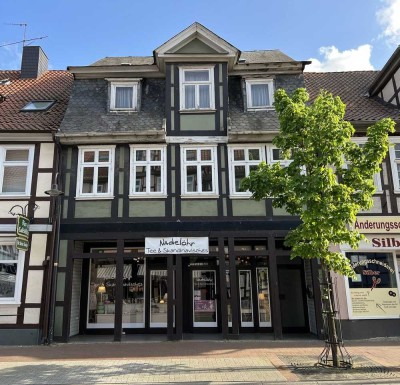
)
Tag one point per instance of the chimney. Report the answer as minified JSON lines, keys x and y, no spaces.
{"x":34,"y":62}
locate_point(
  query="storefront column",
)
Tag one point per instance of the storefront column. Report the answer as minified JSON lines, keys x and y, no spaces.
{"x":234,"y":290}
{"x":222,"y":295}
{"x":119,"y":290}
{"x":170,"y":301}
{"x":274,"y":287}
{"x":68,"y":289}
{"x":178,"y":298}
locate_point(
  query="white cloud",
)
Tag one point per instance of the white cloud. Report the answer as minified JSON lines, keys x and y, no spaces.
{"x":389,"y":18}
{"x":10,"y":57}
{"x":357,"y":59}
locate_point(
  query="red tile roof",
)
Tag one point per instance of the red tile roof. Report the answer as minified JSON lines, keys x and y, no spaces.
{"x":52,"y":85}
{"x":352,"y":87}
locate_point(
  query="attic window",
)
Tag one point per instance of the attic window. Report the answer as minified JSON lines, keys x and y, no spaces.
{"x":38,"y":105}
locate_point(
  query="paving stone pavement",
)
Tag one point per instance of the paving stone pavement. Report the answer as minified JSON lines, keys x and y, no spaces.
{"x":194,"y":362}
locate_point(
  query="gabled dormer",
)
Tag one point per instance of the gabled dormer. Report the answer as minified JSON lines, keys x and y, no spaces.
{"x":196,"y":63}
{"x":386,"y":86}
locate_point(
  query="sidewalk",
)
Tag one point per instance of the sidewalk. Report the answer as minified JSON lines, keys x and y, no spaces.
{"x":197,"y":362}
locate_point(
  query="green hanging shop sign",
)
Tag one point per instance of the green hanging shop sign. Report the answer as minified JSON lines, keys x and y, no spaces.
{"x":21,"y":241}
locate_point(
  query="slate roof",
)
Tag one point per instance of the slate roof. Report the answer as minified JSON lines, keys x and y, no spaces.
{"x":88,"y":109}
{"x":352,"y":87}
{"x":266,"y":56}
{"x":127,"y":60}
{"x":241,"y":120}
{"x":250,"y":57}
{"x":52,"y":85}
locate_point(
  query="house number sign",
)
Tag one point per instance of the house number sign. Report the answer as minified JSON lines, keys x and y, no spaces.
{"x":176,"y":245}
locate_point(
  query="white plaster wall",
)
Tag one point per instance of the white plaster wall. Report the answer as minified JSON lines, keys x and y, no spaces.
{"x":34,"y":286}
{"x":5,"y":207}
{"x":388,"y":91}
{"x":31,"y":316}
{"x":376,"y":208}
{"x":340,"y":295}
{"x":8,"y":309}
{"x":43,"y":183}
{"x":46,"y":155}
{"x":38,"y":249}
{"x":43,"y":211}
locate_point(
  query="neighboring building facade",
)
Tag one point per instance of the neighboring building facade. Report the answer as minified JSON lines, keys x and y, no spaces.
{"x":156,"y":234}
{"x":32,"y":103}
{"x":370,"y":305}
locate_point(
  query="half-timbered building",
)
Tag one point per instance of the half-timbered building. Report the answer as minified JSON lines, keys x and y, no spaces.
{"x":32,"y":103}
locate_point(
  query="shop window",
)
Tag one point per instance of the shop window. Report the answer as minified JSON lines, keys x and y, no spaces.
{"x":374,"y":291}
{"x":199,"y":170}
{"x":95,"y":172}
{"x":196,"y":88}
{"x":260,"y":94}
{"x":147,"y":178}
{"x":243,"y":160}
{"x":158,"y":298}
{"x":102,"y":293}
{"x":11,"y":269}
{"x":16,"y":170}
{"x":264,"y":310}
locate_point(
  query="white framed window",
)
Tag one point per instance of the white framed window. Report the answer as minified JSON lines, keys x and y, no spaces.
{"x":196,"y":88}
{"x":274,"y":155}
{"x":11,"y":272}
{"x":147,"y":176}
{"x":377,"y":176}
{"x":260,"y":94}
{"x":16,"y":163}
{"x":199,"y":170}
{"x":243,"y":160}
{"x":124,"y":95}
{"x":394,"y":154}
{"x":95,"y":172}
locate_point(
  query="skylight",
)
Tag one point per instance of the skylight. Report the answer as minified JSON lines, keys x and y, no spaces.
{"x":38,"y":105}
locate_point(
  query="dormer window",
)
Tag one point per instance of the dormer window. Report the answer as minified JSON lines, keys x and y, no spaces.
{"x":124,"y":95}
{"x":260,"y":94}
{"x":38,"y":105}
{"x":197,"y":88}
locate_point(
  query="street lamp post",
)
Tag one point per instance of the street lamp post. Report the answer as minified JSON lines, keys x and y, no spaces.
{"x":48,"y":330}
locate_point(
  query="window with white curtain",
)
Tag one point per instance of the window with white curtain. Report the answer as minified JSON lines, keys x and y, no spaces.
{"x":16,"y":169}
{"x":260,"y":93}
{"x":196,"y":88}
{"x":95,"y":172}
{"x":199,"y":170}
{"x":147,"y":176}
{"x":124,"y":95}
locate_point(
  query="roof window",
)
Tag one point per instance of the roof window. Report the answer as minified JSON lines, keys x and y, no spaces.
{"x":38,"y":105}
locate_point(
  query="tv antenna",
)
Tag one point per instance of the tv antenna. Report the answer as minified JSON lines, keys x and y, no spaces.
{"x":24,"y":39}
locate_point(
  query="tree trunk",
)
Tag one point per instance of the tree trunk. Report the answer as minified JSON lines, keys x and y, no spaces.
{"x":328,"y":309}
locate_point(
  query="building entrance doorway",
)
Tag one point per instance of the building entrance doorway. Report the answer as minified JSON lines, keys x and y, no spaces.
{"x":292,"y":299}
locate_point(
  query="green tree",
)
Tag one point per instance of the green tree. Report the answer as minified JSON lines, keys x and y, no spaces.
{"x":329,"y":180}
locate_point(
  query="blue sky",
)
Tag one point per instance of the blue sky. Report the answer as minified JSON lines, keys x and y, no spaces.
{"x":338,"y":35}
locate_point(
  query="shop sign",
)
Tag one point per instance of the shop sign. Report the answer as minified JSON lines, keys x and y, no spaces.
{"x":378,"y":225}
{"x":374,"y":292}
{"x":384,"y":242}
{"x":22,"y":226}
{"x":21,"y":244}
{"x":176,"y":245}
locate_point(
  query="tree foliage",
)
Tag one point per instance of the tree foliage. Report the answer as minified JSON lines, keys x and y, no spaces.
{"x":330,"y":178}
